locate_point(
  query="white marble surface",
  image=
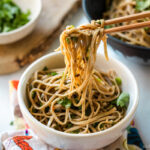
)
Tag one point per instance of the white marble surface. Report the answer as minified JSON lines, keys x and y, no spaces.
{"x":141,"y":72}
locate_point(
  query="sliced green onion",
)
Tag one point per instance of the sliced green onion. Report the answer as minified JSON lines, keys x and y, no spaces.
{"x":118,"y":80}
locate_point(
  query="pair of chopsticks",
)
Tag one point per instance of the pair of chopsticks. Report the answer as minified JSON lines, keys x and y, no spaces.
{"x":127,"y":19}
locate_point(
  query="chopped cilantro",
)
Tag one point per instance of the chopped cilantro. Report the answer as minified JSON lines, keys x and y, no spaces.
{"x":123,"y":100}
{"x":11,"y":16}
{"x":68,"y":40}
{"x":109,"y":26}
{"x":142,"y":5}
{"x":65,"y":102}
{"x":52,"y":73}
{"x":114,"y":102}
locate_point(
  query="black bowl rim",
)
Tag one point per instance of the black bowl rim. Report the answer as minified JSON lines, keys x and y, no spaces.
{"x":111,"y":37}
{"x":128,"y":44}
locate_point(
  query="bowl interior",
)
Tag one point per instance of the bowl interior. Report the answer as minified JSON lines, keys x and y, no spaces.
{"x":128,"y":81}
{"x":56,"y":60}
{"x":34,"y":6}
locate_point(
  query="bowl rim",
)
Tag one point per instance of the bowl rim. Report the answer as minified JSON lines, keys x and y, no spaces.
{"x":138,"y":48}
{"x":25,"y":25}
{"x":104,"y":132}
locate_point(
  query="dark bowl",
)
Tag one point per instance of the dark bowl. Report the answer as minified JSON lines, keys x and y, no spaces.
{"x":94,"y":10}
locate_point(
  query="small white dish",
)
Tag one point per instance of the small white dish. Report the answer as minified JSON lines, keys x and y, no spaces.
{"x":79,"y":141}
{"x":35,"y":7}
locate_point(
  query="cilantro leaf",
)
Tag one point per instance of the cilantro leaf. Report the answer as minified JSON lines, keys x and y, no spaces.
{"x":52,"y":73}
{"x":142,"y":5}
{"x":109,"y":26}
{"x":68,"y":40}
{"x":65,"y":102}
{"x":11,"y":16}
{"x":123,"y":100}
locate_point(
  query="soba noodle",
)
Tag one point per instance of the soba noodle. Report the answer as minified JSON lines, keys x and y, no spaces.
{"x":121,"y":8}
{"x":77,"y":98}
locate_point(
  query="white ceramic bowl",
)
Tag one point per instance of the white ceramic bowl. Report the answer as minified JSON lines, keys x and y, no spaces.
{"x":79,"y":141}
{"x":35,"y":7}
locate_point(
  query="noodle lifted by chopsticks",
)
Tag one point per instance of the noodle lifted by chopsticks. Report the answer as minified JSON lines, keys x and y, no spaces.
{"x":79,"y":98}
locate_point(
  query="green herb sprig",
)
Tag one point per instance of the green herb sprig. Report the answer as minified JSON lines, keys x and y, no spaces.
{"x":142,"y":5}
{"x":65,"y":102}
{"x":123,"y":100}
{"x":52,"y":73}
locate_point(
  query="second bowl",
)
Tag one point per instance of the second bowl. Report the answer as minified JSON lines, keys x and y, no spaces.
{"x":79,"y":141}
{"x":34,"y":6}
{"x":139,"y":54}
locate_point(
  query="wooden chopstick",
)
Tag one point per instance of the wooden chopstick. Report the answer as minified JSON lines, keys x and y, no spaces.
{"x":126,"y":19}
{"x":128,"y":27}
